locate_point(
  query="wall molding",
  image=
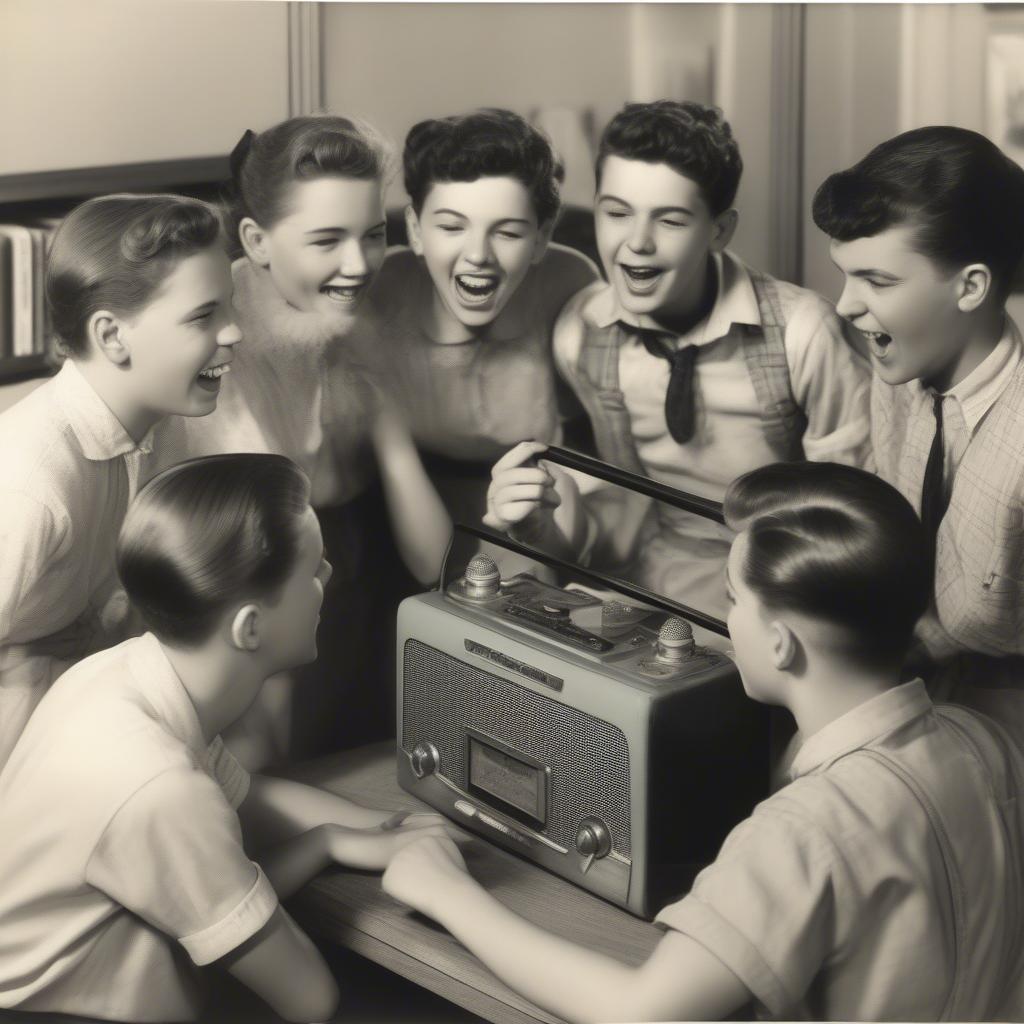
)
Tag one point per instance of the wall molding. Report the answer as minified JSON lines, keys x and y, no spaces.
{"x":787,"y":140}
{"x":305,"y":69}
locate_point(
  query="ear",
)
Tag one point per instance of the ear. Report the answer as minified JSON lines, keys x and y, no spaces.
{"x":412,"y":229}
{"x":245,"y":628}
{"x":723,"y":228}
{"x":105,"y":332}
{"x":543,"y":240}
{"x":254,"y":242}
{"x":975,"y":285}
{"x":783,"y":644}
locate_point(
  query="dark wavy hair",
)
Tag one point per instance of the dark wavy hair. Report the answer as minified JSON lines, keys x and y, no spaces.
{"x":207,"y":533}
{"x":114,"y":252}
{"x":266,"y":165}
{"x":835,"y":543}
{"x":963,"y":196}
{"x":485,"y":143}
{"x":694,"y":140}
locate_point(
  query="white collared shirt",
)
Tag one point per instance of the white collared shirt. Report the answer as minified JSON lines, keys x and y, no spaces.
{"x":122,"y":848}
{"x":69,"y":469}
{"x":885,"y":881}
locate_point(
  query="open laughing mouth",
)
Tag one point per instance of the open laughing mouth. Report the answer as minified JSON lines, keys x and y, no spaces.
{"x":344,"y":294}
{"x":476,"y":289}
{"x":878,"y":342}
{"x":641,"y":280}
{"x":209,"y":377}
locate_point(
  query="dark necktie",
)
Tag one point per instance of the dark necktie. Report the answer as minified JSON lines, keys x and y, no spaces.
{"x":933,"y":496}
{"x":680,"y":414}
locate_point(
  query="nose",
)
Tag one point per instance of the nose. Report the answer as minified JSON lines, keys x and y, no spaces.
{"x":478,"y":249}
{"x":641,"y":238}
{"x":230,"y":334}
{"x":353,"y":259}
{"x":850,"y":305}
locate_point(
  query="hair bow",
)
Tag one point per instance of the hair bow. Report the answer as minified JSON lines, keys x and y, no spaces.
{"x":240,"y":152}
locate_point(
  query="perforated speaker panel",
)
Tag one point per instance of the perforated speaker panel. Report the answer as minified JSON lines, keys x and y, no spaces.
{"x":588,"y":757}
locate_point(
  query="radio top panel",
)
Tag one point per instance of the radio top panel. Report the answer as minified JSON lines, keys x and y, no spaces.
{"x":641,"y":641}
{"x":625,"y":512}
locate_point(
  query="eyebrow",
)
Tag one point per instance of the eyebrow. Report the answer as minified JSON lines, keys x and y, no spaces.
{"x":462,"y":216}
{"x":342,"y":230}
{"x":865,"y":271}
{"x":205,"y":307}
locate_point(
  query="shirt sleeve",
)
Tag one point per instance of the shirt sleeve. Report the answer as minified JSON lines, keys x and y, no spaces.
{"x":173,"y":856}
{"x":766,"y":907}
{"x":31,"y":537}
{"x":831,"y":383}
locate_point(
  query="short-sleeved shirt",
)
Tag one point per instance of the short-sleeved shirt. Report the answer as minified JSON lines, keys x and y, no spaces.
{"x":885,"y":881}
{"x":69,"y":471}
{"x":122,"y":859}
{"x":829,"y":382}
{"x":472,"y":400}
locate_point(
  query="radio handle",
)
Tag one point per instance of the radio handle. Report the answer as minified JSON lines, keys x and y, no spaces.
{"x":704,"y":507}
{"x":633,"y":590}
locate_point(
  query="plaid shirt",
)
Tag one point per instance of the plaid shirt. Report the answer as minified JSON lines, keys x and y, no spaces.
{"x":979,"y":574}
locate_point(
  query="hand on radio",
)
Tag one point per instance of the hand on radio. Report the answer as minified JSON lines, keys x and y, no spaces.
{"x":424,"y":872}
{"x":519,"y":487}
{"x":372,"y":849}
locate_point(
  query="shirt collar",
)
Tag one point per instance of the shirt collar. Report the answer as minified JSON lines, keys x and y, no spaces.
{"x":735,"y":303}
{"x":978,"y":391}
{"x":166,"y":692}
{"x":861,"y":726}
{"x":98,"y":431}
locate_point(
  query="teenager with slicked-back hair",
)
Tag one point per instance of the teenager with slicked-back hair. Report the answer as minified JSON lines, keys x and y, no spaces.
{"x":883,"y":881}
{"x":158,"y":854}
{"x":928,"y":230}
{"x":308,"y":212}
{"x":464,"y":316}
{"x":139,"y":289}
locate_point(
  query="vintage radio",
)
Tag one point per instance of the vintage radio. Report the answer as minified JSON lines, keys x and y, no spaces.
{"x":575,"y":719}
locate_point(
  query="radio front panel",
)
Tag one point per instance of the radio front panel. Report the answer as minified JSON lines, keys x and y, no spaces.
{"x":538,"y":761}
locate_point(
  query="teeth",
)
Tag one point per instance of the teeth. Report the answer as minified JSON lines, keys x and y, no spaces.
{"x":347,"y":292}
{"x":214,"y":372}
{"x":642,"y":272}
{"x":476,"y":285}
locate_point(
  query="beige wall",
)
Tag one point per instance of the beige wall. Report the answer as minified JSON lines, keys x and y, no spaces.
{"x":11,"y":393}
{"x":85,"y":83}
{"x":852,"y":102}
{"x":396,"y":64}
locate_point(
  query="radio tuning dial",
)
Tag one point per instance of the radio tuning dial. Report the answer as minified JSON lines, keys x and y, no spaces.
{"x":425,"y":759}
{"x":593,"y":841}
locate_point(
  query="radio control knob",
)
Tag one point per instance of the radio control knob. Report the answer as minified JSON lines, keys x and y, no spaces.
{"x":482,"y":577}
{"x":593,"y":841}
{"x":425,"y":759}
{"x":675,"y":641}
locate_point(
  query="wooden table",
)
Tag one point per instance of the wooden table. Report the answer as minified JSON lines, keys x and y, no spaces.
{"x":349,"y":907}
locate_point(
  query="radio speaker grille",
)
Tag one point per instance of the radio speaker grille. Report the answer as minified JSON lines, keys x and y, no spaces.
{"x":588,"y":757}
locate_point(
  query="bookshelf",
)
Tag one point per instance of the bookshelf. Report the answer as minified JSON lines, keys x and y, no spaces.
{"x":30,"y":197}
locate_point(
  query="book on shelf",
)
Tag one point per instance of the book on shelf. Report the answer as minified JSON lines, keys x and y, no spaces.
{"x":25,"y":328}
